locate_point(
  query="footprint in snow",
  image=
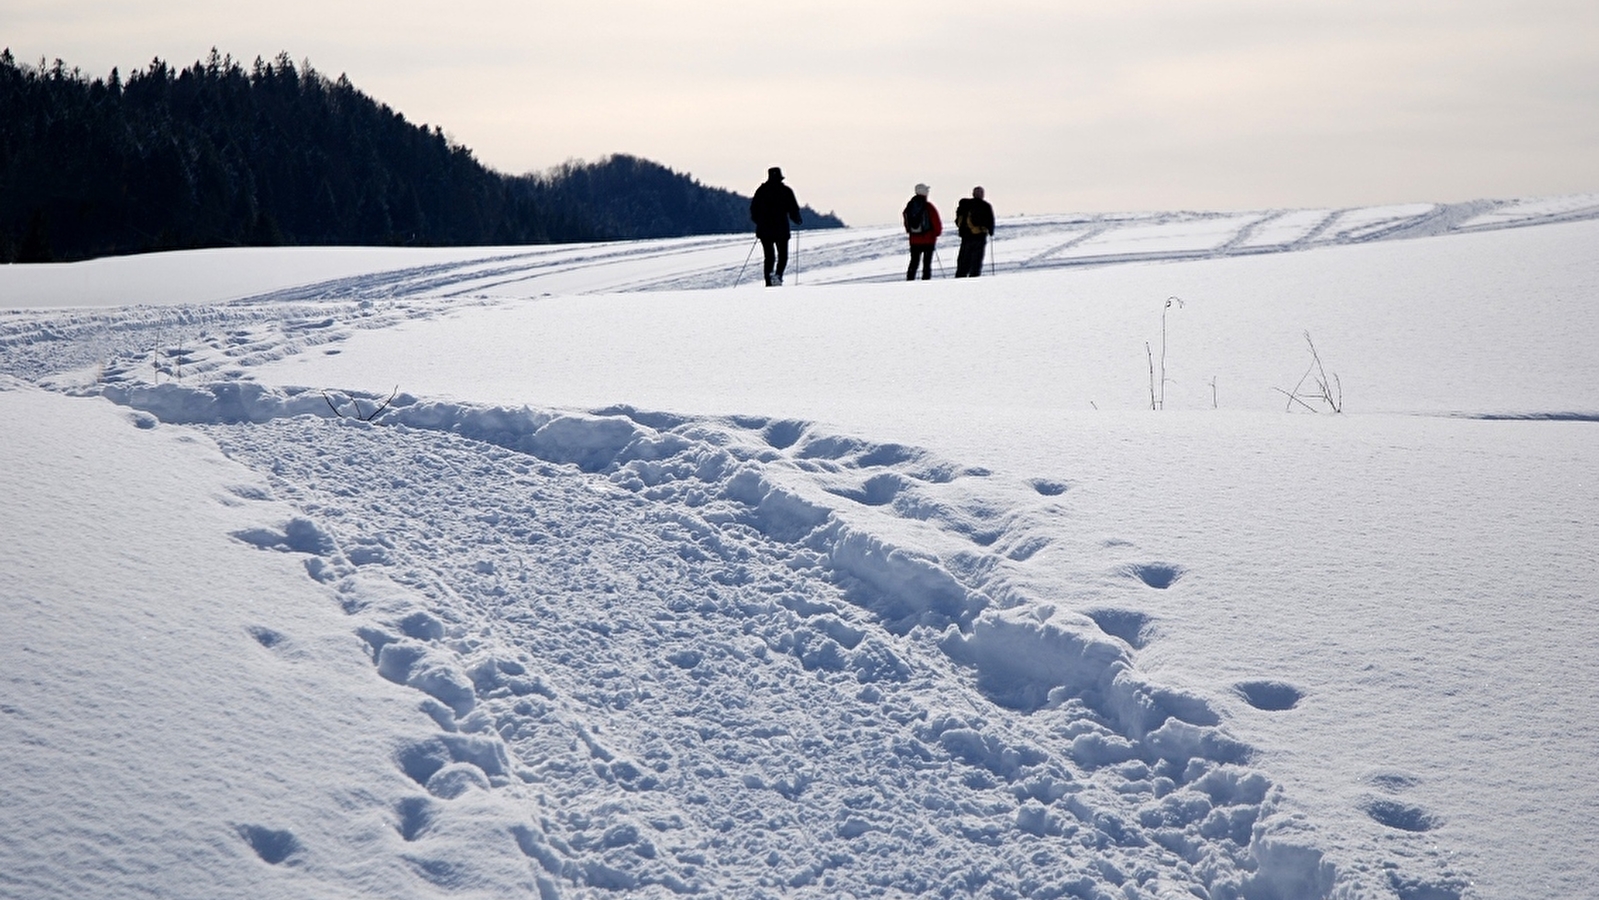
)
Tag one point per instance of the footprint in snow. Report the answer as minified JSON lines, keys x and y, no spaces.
{"x":1272,"y":696}
{"x":414,"y":815}
{"x":887,"y":455}
{"x":784,"y":434}
{"x":1399,"y":816}
{"x":272,"y":845}
{"x":1414,"y":889}
{"x":879,"y":490}
{"x":1393,"y":812}
{"x":1048,"y":488}
{"x":1159,"y":576}
{"x":299,"y":535}
{"x":266,"y":637}
{"x":1129,"y":625}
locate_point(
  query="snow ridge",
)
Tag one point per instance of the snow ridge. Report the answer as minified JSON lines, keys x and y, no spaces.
{"x":746,"y":657}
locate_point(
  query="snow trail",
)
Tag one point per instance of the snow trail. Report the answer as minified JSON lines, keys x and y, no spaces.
{"x":721,"y":653}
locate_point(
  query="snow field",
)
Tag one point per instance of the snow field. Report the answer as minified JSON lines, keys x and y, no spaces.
{"x":835,"y":256}
{"x":871,"y":590}
{"x":1408,"y":327}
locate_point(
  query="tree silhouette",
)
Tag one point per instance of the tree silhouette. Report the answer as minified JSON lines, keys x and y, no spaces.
{"x":217,"y":155}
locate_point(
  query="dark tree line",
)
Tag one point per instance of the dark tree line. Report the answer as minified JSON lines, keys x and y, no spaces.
{"x":627,"y":197}
{"x":217,"y":155}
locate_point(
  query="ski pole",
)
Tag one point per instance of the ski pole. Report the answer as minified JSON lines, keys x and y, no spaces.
{"x":796,"y":256}
{"x":940,"y":262}
{"x":747,"y":257}
{"x":993,"y":253}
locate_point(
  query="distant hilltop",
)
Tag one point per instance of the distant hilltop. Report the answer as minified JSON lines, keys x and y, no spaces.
{"x":217,"y":155}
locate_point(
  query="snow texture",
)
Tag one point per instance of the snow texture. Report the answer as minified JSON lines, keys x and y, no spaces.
{"x":854,"y":590}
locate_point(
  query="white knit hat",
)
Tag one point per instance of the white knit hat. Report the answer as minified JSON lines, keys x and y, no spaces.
{"x":922,"y":189}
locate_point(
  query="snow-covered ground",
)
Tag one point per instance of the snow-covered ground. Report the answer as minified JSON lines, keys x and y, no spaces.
{"x":644,"y":585}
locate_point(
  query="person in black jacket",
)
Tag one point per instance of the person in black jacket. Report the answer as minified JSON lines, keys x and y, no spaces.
{"x":974,"y":219}
{"x":771,"y":209}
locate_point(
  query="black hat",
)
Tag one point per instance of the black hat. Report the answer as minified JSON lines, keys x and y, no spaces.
{"x":774,"y":174}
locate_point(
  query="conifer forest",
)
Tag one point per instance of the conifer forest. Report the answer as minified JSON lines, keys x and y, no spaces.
{"x":220,"y":154}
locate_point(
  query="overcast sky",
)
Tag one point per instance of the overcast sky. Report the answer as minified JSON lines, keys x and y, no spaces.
{"x":1052,"y":105}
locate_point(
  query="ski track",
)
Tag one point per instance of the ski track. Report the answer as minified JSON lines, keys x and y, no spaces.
{"x":872,"y":254}
{"x":739,"y":656}
{"x":820,"y":257}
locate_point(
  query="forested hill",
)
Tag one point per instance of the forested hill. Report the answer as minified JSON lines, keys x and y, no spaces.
{"x":218,"y":155}
{"x":627,"y":197}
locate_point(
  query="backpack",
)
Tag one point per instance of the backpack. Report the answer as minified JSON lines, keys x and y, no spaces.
{"x":964,"y":220}
{"x":916,"y":219}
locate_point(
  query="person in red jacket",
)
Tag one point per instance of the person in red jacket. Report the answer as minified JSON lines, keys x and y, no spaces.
{"x":924,"y":227}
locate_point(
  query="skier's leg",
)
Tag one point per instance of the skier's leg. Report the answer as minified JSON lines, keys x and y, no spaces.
{"x":768,"y":258}
{"x":782,"y":256}
{"x":979,"y":245}
{"x":910,"y":273}
{"x":927,"y":263}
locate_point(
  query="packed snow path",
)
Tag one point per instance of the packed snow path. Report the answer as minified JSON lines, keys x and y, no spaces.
{"x":703,"y":682}
{"x":685,"y":659}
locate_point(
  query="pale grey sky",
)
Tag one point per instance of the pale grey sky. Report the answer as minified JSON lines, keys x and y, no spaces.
{"x":1052,"y":105}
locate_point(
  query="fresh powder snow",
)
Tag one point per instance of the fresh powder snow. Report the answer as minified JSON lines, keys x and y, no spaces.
{"x":1243,"y":555}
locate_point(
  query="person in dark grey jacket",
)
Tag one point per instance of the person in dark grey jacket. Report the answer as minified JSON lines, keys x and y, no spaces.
{"x":974,"y":220}
{"x":771,"y":209}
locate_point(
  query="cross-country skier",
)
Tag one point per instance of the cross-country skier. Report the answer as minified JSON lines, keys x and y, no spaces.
{"x":924,"y":227}
{"x":974,"y":220}
{"x":771,"y":209}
